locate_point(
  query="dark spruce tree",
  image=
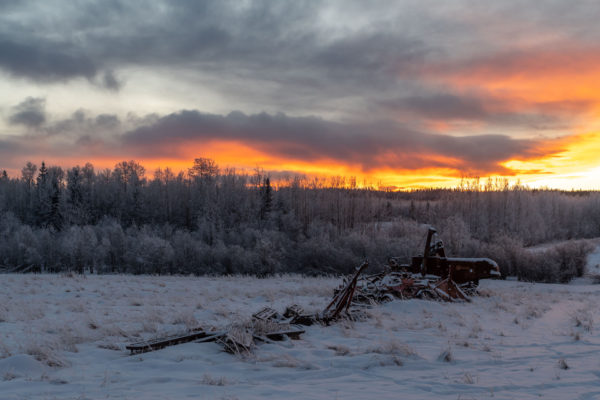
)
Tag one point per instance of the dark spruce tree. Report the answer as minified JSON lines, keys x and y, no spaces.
{"x":266,"y":197}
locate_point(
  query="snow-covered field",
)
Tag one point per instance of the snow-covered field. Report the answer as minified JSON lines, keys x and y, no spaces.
{"x":64,"y":337}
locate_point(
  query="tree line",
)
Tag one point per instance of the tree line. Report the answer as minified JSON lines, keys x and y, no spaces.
{"x":211,"y":221}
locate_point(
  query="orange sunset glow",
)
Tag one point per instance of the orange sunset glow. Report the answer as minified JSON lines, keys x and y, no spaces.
{"x":381,"y":98}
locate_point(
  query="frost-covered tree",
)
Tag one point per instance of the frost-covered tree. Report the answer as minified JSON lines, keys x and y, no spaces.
{"x":213,"y":220}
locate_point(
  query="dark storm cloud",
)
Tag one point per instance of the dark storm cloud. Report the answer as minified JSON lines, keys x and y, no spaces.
{"x":370,"y":58}
{"x":491,"y":109}
{"x":44,"y":61}
{"x":110,"y":81}
{"x":298,"y":55}
{"x":30,"y":112}
{"x":374,"y":145}
{"x":82,"y":123}
{"x":441,"y":106}
{"x":271,"y":39}
{"x":107,"y":121}
{"x":280,"y":42}
{"x":373,"y":63}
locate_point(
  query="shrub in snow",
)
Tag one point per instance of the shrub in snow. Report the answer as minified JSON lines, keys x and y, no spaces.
{"x":149,"y":254}
{"x":339,"y":349}
{"x":186,"y":318}
{"x":446,"y":355}
{"x":287,"y":361}
{"x":47,"y":353}
{"x":562,"y":364}
{"x":560,"y":263}
{"x":393,"y":347}
{"x":214,"y":381}
{"x":468,"y":378}
{"x":583,"y":319}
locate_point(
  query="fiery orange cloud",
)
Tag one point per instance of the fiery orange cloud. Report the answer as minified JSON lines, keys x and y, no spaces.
{"x":431,"y":170}
{"x":562,"y":81}
{"x":572,"y":155}
{"x":565,"y":74}
{"x":391,"y":168}
{"x":567,"y":155}
{"x":245,"y":158}
{"x":578,"y":165}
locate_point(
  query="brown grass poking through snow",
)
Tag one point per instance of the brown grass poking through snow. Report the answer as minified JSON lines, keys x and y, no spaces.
{"x":208,"y":379}
{"x":47,"y":353}
{"x":393,"y":347}
{"x":583,"y":319}
{"x":446,"y":355}
{"x":339,"y":349}
{"x":562,"y":364}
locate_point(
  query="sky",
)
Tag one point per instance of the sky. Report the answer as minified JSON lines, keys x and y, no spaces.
{"x":404,"y":94}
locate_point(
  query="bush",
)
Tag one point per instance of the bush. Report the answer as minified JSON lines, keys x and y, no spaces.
{"x":560,"y":263}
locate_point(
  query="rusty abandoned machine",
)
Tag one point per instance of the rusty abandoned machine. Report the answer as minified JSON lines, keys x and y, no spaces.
{"x":429,"y":276}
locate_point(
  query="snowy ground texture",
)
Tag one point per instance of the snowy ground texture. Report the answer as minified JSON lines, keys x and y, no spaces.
{"x":64,"y":337}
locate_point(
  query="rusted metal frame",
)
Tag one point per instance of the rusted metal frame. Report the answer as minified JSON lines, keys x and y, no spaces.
{"x":430,"y":233}
{"x":344,"y":298}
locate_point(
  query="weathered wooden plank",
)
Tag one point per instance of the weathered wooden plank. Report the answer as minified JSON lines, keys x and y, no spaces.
{"x":160,"y":343}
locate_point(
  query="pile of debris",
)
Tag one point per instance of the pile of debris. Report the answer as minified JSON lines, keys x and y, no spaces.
{"x":267,"y":325}
{"x":237,"y":339}
{"x":429,"y":276}
{"x":403,"y":285}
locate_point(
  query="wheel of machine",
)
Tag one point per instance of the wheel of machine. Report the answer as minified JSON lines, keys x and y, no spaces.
{"x":470,"y":288}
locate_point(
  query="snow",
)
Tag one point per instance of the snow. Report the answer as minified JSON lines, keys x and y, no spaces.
{"x":593,"y":263}
{"x":64,"y":337}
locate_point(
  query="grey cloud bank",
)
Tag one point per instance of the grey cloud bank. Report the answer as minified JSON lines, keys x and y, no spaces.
{"x":353,"y":82}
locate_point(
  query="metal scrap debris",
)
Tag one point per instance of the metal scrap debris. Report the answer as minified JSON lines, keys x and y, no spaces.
{"x":429,"y":276}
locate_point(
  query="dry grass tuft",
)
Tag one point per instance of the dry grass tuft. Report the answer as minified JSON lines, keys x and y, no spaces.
{"x":583,"y":319}
{"x":186,"y":318}
{"x":393,"y":347}
{"x":47,"y":353}
{"x":9,"y":376}
{"x":108,"y":345}
{"x":214,"y":381}
{"x":446,"y":355}
{"x":287,"y":361}
{"x":562,"y":364}
{"x":4,"y":350}
{"x":340,"y":350}
{"x":468,"y":378}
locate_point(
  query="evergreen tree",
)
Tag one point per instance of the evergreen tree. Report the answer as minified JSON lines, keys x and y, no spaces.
{"x":42,"y":199}
{"x":266,"y":195}
{"x":56,"y":215}
{"x":75,"y":195}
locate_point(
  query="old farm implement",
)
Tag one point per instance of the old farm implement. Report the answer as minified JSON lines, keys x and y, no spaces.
{"x":429,"y":276}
